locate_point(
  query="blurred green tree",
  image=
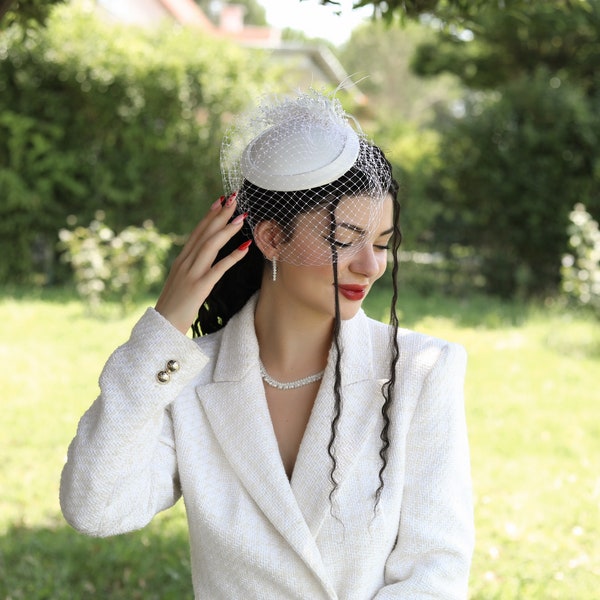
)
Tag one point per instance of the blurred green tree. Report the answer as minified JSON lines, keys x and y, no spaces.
{"x":508,"y":175}
{"x":444,"y":10}
{"x":493,"y":47}
{"x":523,"y":148}
{"x":96,"y":116}
{"x":25,"y":11}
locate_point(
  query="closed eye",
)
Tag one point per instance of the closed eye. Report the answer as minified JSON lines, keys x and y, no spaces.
{"x":386,"y":245}
{"x":337,"y":243}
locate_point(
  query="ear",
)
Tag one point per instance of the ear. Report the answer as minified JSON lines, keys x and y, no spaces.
{"x":268,"y":236}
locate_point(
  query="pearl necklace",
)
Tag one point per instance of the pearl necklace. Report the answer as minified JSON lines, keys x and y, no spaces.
{"x":290,"y":385}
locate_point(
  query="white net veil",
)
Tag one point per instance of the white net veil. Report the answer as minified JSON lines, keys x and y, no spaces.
{"x":304,"y":163}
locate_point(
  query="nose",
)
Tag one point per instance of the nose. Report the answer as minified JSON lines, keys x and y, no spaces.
{"x":365,"y":262}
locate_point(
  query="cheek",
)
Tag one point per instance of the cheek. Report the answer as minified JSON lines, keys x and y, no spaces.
{"x":299,"y":276}
{"x":382,"y":262}
{"x":324,"y":273}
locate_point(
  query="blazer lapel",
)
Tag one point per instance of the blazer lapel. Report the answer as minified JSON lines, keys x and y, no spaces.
{"x":361,"y":410}
{"x":236,"y":408}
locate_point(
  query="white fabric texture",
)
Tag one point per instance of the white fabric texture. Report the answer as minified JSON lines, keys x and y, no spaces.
{"x":255,"y":534}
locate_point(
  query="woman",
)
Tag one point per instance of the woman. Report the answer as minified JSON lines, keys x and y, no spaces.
{"x":320,"y":454}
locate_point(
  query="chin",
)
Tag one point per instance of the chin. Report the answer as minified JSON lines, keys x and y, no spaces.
{"x":349,"y":312}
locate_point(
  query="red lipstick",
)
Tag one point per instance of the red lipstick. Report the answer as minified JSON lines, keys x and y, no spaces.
{"x":352,"y":291}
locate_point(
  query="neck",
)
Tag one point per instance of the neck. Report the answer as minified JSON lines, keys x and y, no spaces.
{"x":293,"y":342}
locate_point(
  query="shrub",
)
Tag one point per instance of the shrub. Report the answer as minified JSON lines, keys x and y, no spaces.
{"x":118,"y":267}
{"x":581,"y":269}
{"x":510,"y":172}
{"x":98,"y":116}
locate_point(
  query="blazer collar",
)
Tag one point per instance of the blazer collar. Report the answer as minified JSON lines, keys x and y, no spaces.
{"x":236,"y":408}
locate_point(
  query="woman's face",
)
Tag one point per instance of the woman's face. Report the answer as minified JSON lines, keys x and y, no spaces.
{"x":361,"y":236}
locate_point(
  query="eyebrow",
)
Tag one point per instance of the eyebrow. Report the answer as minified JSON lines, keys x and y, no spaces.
{"x":390,"y":230}
{"x":361,"y":231}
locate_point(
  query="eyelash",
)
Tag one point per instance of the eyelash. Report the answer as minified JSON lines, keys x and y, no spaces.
{"x":343,"y":245}
{"x":339,"y":244}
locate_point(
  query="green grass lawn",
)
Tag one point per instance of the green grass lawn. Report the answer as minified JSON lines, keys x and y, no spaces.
{"x":533,"y":404}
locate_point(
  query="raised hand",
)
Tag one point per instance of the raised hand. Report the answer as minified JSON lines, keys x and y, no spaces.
{"x":193,"y":274}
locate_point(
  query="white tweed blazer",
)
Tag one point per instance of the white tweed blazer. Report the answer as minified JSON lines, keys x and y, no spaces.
{"x":254,"y":534}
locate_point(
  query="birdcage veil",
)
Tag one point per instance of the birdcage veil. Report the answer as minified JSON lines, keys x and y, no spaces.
{"x":304,"y":163}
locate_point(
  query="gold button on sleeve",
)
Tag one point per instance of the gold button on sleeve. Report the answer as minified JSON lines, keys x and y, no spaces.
{"x":172,"y":366}
{"x":163,"y":377}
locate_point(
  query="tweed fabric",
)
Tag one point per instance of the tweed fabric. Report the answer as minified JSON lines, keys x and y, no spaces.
{"x":254,"y":533}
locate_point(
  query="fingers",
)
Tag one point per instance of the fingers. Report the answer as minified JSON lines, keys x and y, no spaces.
{"x":222,"y":266}
{"x":204,"y":250}
{"x":194,"y":273}
{"x":217,"y":217}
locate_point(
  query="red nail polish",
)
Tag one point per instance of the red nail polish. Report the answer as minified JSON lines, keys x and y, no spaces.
{"x":239,"y":219}
{"x":221,"y":200}
{"x":244,"y":246}
{"x":230,"y":199}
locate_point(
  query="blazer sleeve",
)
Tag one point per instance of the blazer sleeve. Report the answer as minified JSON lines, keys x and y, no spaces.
{"x":432,"y":555}
{"x":121,"y":466}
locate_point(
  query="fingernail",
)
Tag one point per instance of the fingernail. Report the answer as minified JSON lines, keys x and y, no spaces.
{"x":244,"y":246}
{"x":216,"y":204}
{"x":239,"y":219}
{"x":230,"y":199}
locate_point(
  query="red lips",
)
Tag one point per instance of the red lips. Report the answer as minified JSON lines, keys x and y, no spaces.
{"x":352,"y":291}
